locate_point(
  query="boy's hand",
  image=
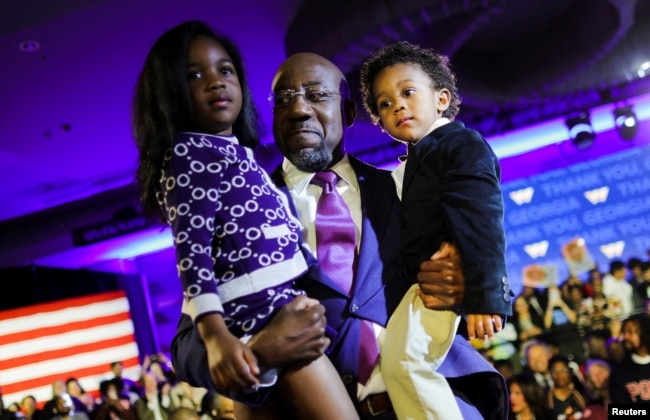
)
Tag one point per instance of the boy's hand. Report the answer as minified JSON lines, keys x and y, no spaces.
{"x":481,"y":325}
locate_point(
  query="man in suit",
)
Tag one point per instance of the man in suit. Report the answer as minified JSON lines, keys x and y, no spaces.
{"x":309,"y":124}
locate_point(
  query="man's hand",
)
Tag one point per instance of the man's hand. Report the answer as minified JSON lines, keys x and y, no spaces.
{"x":441,"y":279}
{"x":296,"y":334}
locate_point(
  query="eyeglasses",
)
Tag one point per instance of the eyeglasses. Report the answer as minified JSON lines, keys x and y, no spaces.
{"x":313,"y":96}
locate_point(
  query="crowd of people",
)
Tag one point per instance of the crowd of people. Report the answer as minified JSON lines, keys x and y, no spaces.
{"x":156,"y":395}
{"x":571,"y":350}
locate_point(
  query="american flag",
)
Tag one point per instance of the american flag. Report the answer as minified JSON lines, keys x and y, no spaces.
{"x":77,"y":337}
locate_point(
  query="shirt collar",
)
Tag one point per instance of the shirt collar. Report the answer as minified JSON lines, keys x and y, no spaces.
{"x":298,"y":180}
{"x":228,"y":137}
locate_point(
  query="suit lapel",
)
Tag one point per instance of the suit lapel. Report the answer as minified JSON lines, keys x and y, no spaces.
{"x":377,"y":200}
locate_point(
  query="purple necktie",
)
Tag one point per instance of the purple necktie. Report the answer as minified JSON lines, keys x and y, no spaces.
{"x":336,"y":243}
{"x":336,"y":246}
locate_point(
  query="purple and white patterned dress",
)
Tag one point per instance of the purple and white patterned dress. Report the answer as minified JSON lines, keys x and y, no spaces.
{"x":238,"y":245}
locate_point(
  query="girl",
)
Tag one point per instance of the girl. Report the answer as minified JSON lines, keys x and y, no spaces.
{"x":237,"y":242}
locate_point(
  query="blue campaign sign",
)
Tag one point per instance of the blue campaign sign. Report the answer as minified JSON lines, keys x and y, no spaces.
{"x":604,"y":202}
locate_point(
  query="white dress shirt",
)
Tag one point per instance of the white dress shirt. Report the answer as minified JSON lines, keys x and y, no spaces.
{"x":305,"y":198}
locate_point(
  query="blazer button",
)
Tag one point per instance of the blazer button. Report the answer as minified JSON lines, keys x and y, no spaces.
{"x":504,"y":280}
{"x":348,"y":379}
{"x":507,"y":297}
{"x":354,"y":308}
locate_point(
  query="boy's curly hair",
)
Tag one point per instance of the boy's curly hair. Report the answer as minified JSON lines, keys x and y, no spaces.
{"x":432,"y":63}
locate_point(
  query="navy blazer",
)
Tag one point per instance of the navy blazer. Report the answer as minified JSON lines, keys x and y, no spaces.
{"x":379,"y":285}
{"x":451,"y":192}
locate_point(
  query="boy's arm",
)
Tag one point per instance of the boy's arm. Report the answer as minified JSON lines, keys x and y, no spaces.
{"x":473,"y":205}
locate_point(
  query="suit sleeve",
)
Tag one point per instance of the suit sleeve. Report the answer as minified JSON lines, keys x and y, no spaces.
{"x":473,"y":205}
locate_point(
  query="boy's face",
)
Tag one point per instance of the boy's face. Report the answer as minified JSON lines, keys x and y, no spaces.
{"x":407,"y":101}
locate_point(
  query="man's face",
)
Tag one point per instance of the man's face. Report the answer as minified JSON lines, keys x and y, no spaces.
{"x":630,"y":336}
{"x":538,"y":358}
{"x":310,"y":134}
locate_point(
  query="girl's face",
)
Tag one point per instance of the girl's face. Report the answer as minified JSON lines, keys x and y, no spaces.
{"x":215,"y":92}
{"x":517,"y":401}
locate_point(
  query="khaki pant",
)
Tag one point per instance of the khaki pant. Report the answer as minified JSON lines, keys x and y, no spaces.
{"x":416,"y":342}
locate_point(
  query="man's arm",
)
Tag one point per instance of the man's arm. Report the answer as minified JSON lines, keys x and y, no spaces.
{"x":295,"y":334}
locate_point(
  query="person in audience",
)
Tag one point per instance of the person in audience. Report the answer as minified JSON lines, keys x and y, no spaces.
{"x":125,"y":385}
{"x":523,"y":320}
{"x":597,"y":373}
{"x":527,"y":399}
{"x":597,"y":344}
{"x":76,"y":391}
{"x":564,"y":400}
{"x":628,"y":380}
{"x":184,"y":413}
{"x":5,"y":414}
{"x":59,"y":389}
{"x":29,"y":408}
{"x":641,"y":292}
{"x":557,"y":312}
{"x":505,"y":367}
{"x":185,"y":395}
{"x":537,"y":300}
{"x":226,"y":409}
{"x":114,"y":405}
{"x":64,"y":411}
{"x":618,"y":290}
{"x":594,"y":304}
{"x":155,"y":403}
{"x":634,"y":266}
{"x":537,"y":355}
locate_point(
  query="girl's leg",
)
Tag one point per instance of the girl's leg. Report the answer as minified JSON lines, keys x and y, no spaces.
{"x":315,"y":391}
{"x":271,"y":410}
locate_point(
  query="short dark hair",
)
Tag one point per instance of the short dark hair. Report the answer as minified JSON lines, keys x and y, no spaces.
{"x":615,"y":265}
{"x":434,"y":64}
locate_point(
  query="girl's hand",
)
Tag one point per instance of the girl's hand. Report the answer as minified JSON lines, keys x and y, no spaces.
{"x":480,"y":325}
{"x":232,"y":365}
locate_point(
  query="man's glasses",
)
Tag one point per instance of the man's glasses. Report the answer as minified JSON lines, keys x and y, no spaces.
{"x":312,"y":95}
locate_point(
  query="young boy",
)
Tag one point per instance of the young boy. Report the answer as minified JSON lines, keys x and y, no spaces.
{"x":449,"y":187}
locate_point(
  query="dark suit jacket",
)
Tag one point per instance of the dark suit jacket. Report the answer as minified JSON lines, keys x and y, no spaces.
{"x":451,"y":192}
{"x":378,"y":287}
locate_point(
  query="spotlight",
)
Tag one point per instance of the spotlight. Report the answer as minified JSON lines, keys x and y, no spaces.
{"x":626,"y":122}
{"x":580,"y":130}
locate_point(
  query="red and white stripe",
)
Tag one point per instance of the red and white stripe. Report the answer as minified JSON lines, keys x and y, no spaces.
{"x":77,"y":337}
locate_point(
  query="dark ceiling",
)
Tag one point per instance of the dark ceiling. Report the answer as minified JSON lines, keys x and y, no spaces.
{"x":517,"y":61}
